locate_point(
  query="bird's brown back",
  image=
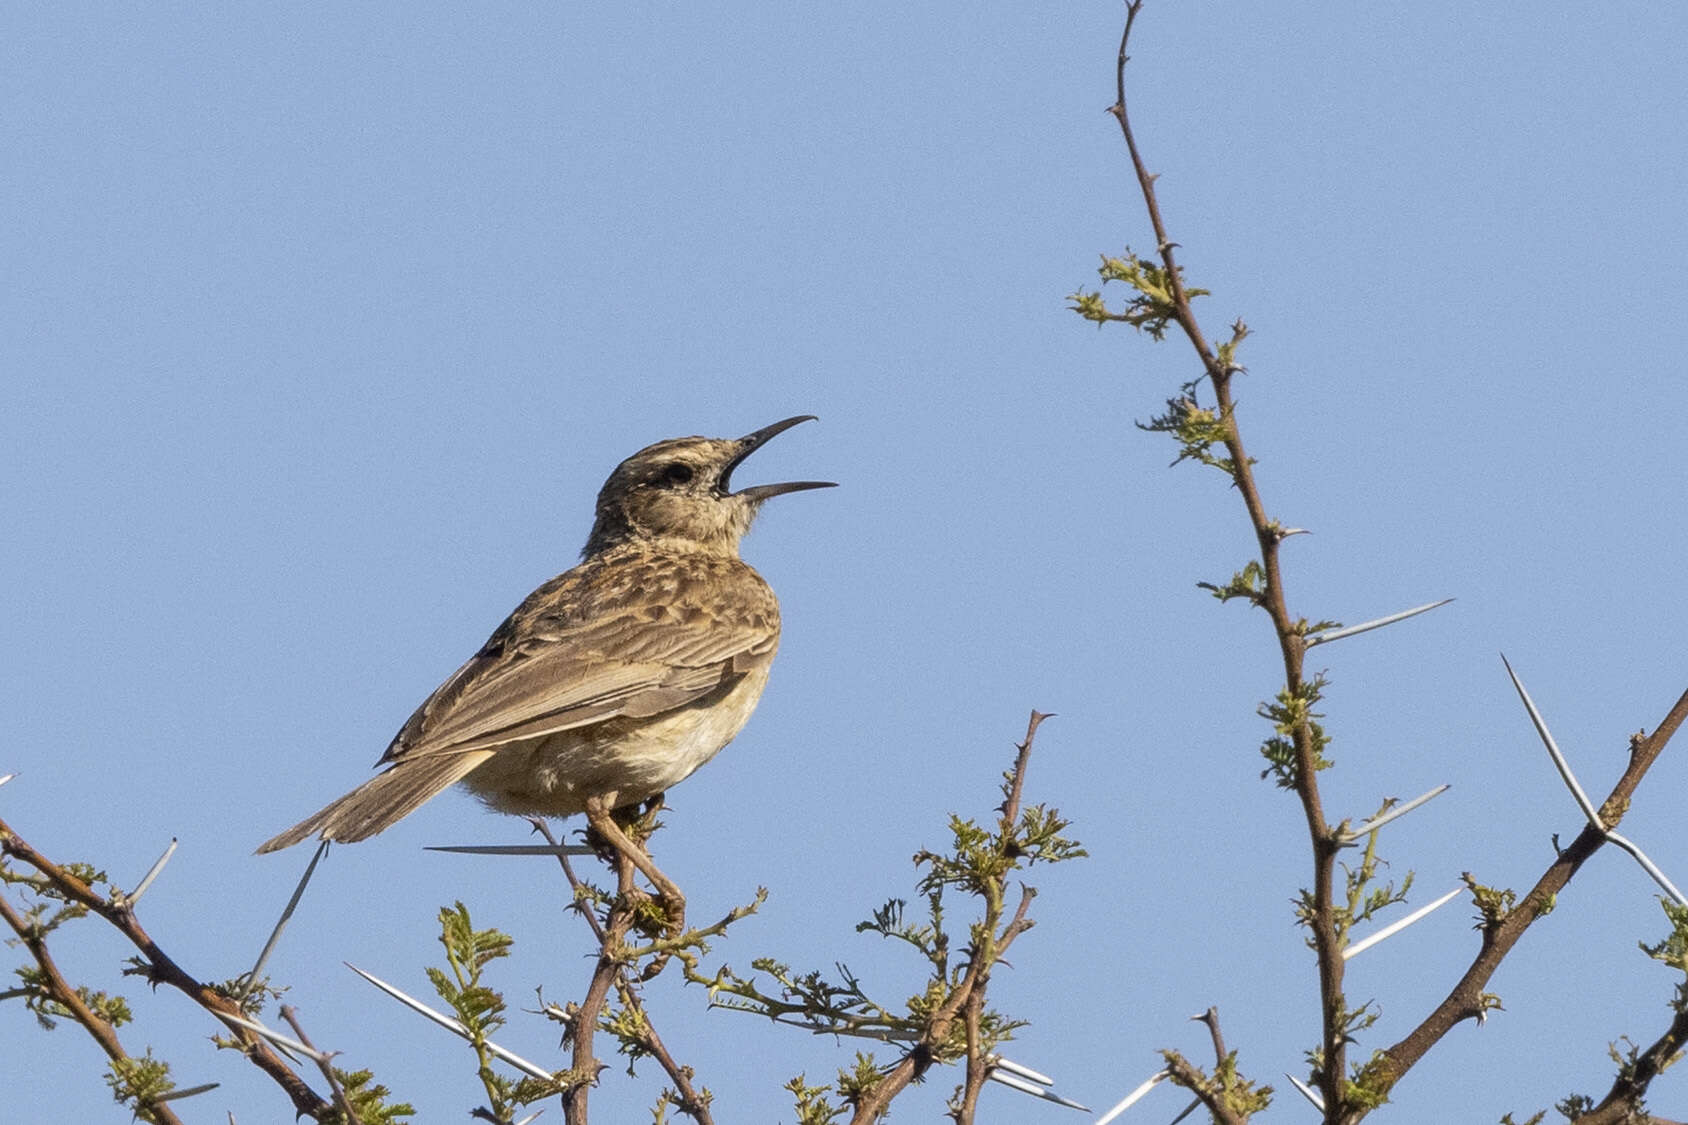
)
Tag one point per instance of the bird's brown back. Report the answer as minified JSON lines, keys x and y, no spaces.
{"x":634,"y":631}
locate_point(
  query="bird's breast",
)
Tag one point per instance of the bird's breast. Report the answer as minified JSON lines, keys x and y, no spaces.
{"x":625,"y":760}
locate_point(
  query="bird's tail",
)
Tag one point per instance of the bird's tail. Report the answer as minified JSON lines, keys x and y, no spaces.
{"x":381,"y":801}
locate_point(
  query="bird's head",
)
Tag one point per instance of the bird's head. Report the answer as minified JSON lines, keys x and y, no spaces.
{"x":680,"y":491}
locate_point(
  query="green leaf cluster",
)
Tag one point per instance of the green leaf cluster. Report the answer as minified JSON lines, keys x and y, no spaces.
{"x":1196,"y":429}
{"x":1151,"y":308}
{"x":139,"y":1082}
{"x":368,"y":1098}
{"x":480,"y":1008}
{"x":979,"y":862}
{"x":1290,"y":711}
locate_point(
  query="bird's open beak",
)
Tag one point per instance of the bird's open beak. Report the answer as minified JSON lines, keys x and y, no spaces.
{"x":749,"y":444}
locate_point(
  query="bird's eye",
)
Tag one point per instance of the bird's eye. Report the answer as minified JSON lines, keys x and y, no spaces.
{"x":677,"y":472}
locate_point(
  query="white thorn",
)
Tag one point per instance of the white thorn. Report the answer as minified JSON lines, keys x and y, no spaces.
{"x":152,"y":873}
{"x":530,"y":1069}
{"x":1034,"y":1090}
{"x":277,"y":1038}
{"x":281,"y":923}
{"x":1307,"y":1092}
{"x":1396,"y":927}
{"x":1379,"y":821}
{"x":1378,"y":623}
{"x":1559,"y":761}
{"x":1564,"y":767}
{"x":1648,"y":866}
{"x":1134,"y":1097}
{"x":1023,"y":1071}
{"x":8,"y":777}
{"x":530,"y":1118}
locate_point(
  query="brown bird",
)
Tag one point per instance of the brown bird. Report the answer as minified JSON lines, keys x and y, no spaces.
{"x":614,"y":680}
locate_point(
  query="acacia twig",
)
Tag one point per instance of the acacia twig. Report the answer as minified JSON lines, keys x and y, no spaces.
{"x":1321,"y":917}
{"x":1622,"y":1104}
{"x":617,"y":963}
{"x":1466,"y":1001}
{"x":60,"y":992}
{"x":324,"y":1063}
{"x":982,"y":958}
{"x":159,"y":968}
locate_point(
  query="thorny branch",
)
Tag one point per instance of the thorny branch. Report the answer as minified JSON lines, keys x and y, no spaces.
{"x":1210,"y":1092}
{"x":325,"y":1064}
{"x":1466,"y":1000}
{"x":617,"y":963}
{"x":1291,"y":642}
{"x":1622,"y":1103}
{"x":158,"y":968}
{"x":969,"y":994}
{"x":1170,"y":300}
{"x":61,"y":993}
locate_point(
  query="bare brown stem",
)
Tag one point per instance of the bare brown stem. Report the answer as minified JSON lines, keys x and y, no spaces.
{"x":1211,"y":1019}
{"x":1186,"y":1074}
{"x":1622,"y":1105}
{"x":1321,"y":920}
{"x":324,"y":1063}
{"x":584,"y":1026}
{"x":978,"y":1067}
{"x":982,"y":958}
{"x":691,"y":1102}
{"x":1465,"y":1001}
{"x":65,"y":996}
{"x":615,"y":964}
{"x":161,"y":969}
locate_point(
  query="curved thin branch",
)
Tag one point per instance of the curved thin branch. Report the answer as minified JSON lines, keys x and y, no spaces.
{"x":918,"y":1059}
{"x":1465,"y":1001}
{"x":63,"y":994}
{"x":1327,"y":941}
{"x":160,"y":968}
{"x":1623,"y":1101}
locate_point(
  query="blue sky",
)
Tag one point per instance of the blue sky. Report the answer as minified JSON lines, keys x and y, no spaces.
{"x":324,"y":325}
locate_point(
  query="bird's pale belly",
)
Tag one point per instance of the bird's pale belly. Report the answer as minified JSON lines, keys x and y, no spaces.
{"x":625,"y":760}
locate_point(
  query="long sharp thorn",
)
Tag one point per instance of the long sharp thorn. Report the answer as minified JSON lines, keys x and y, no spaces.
{"x":281,"y":923}
{"x":1349,"y":630}
{"x":8,"y":777}
{"x":1396,"y":927}
{"x":1374,"y":824}
{"x":530,"y":1118}
{"x":1553,"y":751}
{"x":513,"y":849}
{"x":1013,"y":1067}
{"x":152,"y":873}
{"x":276,"y":1037}
{"x":1033,"y":1089}
{"x":1307,"y":1092}
{"x":188,"y":1092}
{"x":530,"y":1069}
{"x":1648,"y":866}
{"x":1577,"y":793}
{"x":1134,"y":1097}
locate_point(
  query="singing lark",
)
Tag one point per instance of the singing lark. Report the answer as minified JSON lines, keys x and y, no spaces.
{"x":612,"y":681}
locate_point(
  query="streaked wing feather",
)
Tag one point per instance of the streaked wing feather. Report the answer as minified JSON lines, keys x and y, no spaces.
{"x":630,"y":663}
